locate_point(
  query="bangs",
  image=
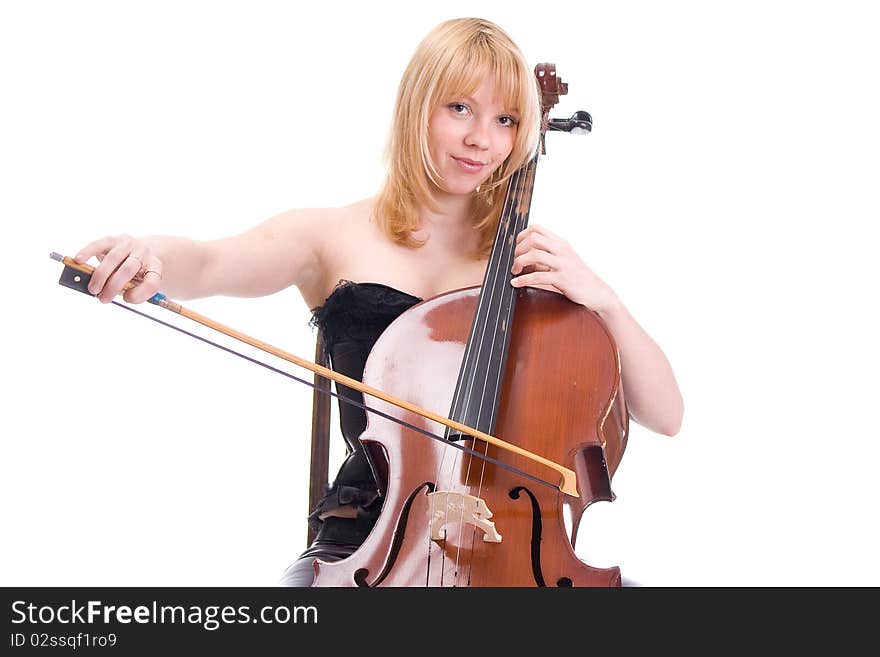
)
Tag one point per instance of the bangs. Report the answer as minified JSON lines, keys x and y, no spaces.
{"x":469,"y":67}
{"x":466,"y":65}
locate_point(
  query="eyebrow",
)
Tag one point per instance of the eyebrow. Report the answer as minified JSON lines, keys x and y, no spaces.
{"x":471,"y":100}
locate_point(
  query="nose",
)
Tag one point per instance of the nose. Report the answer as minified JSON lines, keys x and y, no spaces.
{"x":478,"y":135}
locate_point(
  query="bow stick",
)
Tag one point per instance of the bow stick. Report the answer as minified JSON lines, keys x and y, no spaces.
{"x":77,"y":276}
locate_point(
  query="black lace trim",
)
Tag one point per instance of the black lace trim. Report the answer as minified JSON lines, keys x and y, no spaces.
{"x":353,"y":310}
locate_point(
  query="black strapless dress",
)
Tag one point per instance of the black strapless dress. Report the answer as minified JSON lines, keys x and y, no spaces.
{"x":351,"y":319}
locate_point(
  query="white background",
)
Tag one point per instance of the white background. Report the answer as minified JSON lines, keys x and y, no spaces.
{"x":728,"y":193}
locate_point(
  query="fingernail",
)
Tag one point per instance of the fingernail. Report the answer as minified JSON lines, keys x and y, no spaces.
{"x":80,"y":257}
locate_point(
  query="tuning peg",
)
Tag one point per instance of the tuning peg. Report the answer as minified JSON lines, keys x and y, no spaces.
{"x":580,"y":123}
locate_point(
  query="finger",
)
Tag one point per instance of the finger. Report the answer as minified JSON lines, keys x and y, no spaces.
{"x":549,"y":288}
{"x":103,"y":271}
{"x":112,"y":251}
{"x":535,"y":279}
{"x":114,"y":285}
{"x":139,"y":255}
{"x":106,"y":283}
{"x":524,"y":233}
{"x":151,"y":280}
{"x":539,"y":260}
{"x":528,"y":269}
{"x":536,"y":241}
{"x":152,"y":265}
{"x":523,"y":281}
{"x":546,"y":232}
{"x":536,"y":229}
{"x":126,"y":272}
{"x":97,"y":248}
{"x":145,"y":289}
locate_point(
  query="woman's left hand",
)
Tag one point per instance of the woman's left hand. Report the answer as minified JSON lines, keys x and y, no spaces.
{"x":546,"y":261}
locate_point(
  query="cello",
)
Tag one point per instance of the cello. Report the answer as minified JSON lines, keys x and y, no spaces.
{"x":526,"y":366}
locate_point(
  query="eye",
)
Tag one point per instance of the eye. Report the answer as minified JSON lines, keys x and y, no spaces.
{"x":459,"y":108}
{"x":508,"y":121}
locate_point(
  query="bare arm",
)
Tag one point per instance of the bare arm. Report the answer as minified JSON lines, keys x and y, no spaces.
{"x":649,"y":386}
{"x":282,"y":251}
{"x":546,"y":261}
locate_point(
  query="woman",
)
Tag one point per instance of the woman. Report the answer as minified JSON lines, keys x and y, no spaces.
{"x":467,"y":116}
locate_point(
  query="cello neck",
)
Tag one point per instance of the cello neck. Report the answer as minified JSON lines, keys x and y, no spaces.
{"x":476,"y":398}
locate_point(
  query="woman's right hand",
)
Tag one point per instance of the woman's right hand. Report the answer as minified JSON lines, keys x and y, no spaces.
{"x":122,"y":258}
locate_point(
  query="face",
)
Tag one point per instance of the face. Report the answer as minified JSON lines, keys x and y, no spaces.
{"x":469,"y":138}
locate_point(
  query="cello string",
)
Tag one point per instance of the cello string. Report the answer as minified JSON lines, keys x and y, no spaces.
{"x":462,"y":390}
{"x":504,"y":244}
{"x":475,"y":341}
{"x":508,"y":293}
{"x":481,"y":368}
{"x":518,"y":220}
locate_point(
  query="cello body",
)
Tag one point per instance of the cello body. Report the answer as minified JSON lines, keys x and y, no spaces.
{"x":450,"y":518}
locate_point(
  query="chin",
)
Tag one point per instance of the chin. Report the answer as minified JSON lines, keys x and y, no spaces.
{"x":463,"y":190}
{"x":460,"y":186}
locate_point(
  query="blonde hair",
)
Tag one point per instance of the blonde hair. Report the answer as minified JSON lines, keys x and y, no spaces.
{"x":452,"y":61}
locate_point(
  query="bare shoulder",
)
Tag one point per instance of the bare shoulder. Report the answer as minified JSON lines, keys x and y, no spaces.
{"x":357,"y":217}
{"x":326,"y":226}
{"x":336,"y":235}
{"x":300,"y":222}
{"x":348,"y":234}
{"x":283,"y":250}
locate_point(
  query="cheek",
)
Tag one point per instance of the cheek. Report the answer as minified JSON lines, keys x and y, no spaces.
{"x":438,"y":137}
{"x":504,"y":147}
{"x":505,"y":138}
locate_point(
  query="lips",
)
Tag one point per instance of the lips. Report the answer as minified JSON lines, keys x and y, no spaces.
{"x":468,"y":165}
